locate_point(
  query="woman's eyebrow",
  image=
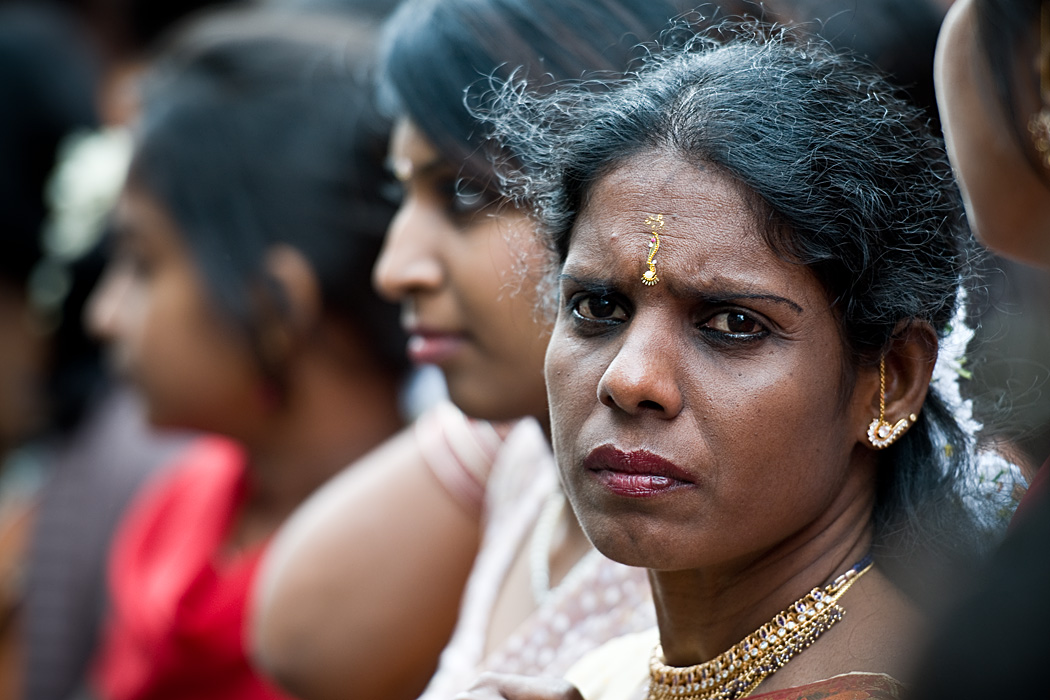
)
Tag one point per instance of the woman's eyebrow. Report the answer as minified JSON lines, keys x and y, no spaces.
{"x":585,"y":282}
{"x":703,"y":297}
{"x":719,"y":297}
{"x":768,"y":297}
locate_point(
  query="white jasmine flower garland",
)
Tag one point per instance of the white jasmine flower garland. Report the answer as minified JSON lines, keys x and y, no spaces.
{"x":994,"y":477}
{"x":81,"y":194}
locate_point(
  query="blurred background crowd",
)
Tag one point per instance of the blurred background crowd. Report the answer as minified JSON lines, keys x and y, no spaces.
{"x":296,"y":181}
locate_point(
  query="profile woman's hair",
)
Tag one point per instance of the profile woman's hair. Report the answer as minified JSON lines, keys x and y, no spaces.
{"x":432,"y":51}
{"x":844,"y":177}
{"x":261,"y":129}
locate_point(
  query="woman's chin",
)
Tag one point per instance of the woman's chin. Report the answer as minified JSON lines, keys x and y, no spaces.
{"x":478,"y":399}
{"x":633,"y":542}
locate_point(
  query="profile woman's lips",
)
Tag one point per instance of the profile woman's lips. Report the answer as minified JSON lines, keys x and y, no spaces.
{"x":637,"y":474}
{"x":432,"y":347}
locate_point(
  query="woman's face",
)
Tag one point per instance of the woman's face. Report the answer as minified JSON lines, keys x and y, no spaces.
{"x":164,"y":333}
{"x":465,"y":272}
{"x":698,"y":422}
{"x":1007,"y":203}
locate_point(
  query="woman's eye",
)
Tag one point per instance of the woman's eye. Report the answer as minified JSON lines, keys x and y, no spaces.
{"x":735,"y":323}
{"x":599,"y":308}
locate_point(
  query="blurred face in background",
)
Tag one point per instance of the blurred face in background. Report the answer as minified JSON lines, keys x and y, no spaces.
{"x":465,"y":271}
{"x":1007,"y":198}
{"x":165,"y":333}
{"x":23,"y":352}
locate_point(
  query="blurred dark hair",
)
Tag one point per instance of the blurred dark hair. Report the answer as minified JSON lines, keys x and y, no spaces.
{"x":132,"y":27}
{"x":362,"y":10}
{"x":46,"y":93}
{"x":434,"y":50}
{"x":898,"y":36}
{"x":1008,"y":32}
{"x":846,"y":179}
{"x":46,"y":84}
{"x":259,"y":129}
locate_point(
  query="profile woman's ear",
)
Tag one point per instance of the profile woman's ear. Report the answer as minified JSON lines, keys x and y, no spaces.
{"x":300,"y":291}
{"x":897,"y":388}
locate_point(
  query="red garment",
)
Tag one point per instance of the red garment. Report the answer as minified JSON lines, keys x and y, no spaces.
{"x":176,"y":628}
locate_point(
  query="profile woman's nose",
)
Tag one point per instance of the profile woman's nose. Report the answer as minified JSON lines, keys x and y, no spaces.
{"x":408,"y":262}
{"x":643,"y":376}
{"x":103,"y":310}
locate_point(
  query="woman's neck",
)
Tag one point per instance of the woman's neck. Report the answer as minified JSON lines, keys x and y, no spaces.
{"x":702,"y":613}
{"x":330,"y":421}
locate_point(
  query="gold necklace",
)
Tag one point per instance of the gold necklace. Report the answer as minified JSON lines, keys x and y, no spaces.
{"x":737,"y":671}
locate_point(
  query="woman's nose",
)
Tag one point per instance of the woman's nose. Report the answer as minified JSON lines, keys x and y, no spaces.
{"x":103,"y":309}
{"x":408,"y":262}
{"x":643,"y":376}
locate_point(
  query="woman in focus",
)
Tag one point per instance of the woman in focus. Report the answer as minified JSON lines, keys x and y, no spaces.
{"x":759,"y":246}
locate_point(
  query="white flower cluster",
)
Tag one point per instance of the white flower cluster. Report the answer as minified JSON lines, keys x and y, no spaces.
{"x":994,"y":477}
{"x":91,"y":170}
{"x":81,"y":194}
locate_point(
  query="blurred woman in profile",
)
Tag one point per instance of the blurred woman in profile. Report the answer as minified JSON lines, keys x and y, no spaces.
{"x":238,"y":301}
{"x":993,"y":89}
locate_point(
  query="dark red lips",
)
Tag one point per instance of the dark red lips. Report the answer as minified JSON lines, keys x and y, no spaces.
{"x":638,"y":474}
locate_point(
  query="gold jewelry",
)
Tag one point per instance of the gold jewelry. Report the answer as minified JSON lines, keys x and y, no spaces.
{"x":880,"y":433}
{"x":655,"y":224}
{"x":737,"y":671}
{"x":1039,"y":124}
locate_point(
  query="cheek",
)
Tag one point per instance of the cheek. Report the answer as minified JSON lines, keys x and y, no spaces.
{"x":784,"y":425}
{"x":572,"y":383}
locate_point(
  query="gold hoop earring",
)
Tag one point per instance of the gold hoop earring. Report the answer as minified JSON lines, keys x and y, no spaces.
{"x":880,"y":433}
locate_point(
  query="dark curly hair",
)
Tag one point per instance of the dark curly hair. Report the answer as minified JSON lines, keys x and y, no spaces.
{"x":846,"y":178}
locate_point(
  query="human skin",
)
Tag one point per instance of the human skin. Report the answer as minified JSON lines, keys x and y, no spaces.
{"x":338,"y":597}
{"x":194,"y":370}
{"x":466,"y":271}
{"x":325,"y":625}
{"x":162,"y":332}
{"x":731,"y":368}
{"x":23,"y":359}
{"x":1007,"y":203}
{"x":465,"y":274}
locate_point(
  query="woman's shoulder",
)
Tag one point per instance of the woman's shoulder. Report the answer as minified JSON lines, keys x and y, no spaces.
{"x":618,"y":669}
{"x":523,"y":474}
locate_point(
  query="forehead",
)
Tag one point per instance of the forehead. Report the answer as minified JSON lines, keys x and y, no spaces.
{"x":140,"y":217}
{"x":701,"y":207}
{"x":710,"y":243}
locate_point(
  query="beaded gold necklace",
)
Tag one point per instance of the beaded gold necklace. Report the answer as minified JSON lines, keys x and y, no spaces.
{"x":737,"y":671}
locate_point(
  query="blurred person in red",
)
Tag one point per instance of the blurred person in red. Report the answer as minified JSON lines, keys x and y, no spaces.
{"x":238,"y":302}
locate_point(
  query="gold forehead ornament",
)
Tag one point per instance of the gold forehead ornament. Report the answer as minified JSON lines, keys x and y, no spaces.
{"x":655,"y":224}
